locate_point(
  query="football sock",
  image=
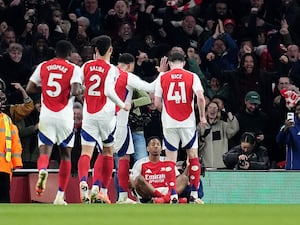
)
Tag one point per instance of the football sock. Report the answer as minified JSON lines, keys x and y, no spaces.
{"x":83,"y":167}
{"x":194,"y":174}
{"x":97,"y":178}
{"x":123,"y":175}
{"x":64,"y":174}
{"x":43,"y":162}
{"x":107,"y":169}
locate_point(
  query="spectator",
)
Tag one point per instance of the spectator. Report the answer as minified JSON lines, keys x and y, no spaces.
{"x":76,"y":150}
{"x":277,"y":115}
{"x":47,"y":75}
{"x":252,"y":119}
{"x":219,"y":9}
{"x":86,"y":52}
{"x":229,"y":27}
{"x":116,"y":17}
{"x":288,"y":135}
{"x":248,"y":155}
{"x":43,"y":28}
{"x":125,"y":41}
{"x":149,"y":189}
{"x":246,"y":78}
{"x":138,"y":119}
{"x":10,"y":152}
{"x":14,"y":70}
{"x":38,"y":52}
{"x":290,"y":10}
{"x":28,"y":130}
{"x":217,"y":87}
{"x":17,"y":112}
{"x":92,"y":11}
{"x":184,"y":36}
{"x":79,"y":32}
{"x":215,"y":136}
{"x":9,"y":36}
{"x":76,"y":59}
{"x":259,"y":14}
{"x":219,"y":52}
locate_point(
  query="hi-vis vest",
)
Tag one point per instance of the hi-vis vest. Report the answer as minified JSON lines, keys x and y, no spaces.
{"x":10,"y":145}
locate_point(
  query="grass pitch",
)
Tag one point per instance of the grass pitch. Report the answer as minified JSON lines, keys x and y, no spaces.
{"x":148,"y":214}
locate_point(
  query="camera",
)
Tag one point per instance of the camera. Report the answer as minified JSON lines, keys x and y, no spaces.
{"x":242,"y":162}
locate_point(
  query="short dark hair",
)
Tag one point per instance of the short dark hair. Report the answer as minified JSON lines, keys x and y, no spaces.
{"x":63,"y":49}
{"x":126,"y":58}
{"x":176,"y":56}
{"x":248,"y":137}
{"x":151,"y":138}
{"x":102,"y":43}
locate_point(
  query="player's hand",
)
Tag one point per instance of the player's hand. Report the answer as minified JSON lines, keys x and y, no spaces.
{"x":203,"y":121}
{"x":127,"y":106}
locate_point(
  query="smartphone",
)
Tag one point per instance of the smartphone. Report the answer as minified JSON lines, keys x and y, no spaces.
{"x":290,"y":116}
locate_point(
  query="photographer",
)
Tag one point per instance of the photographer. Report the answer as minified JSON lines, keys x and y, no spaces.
{"x":248,"y":155}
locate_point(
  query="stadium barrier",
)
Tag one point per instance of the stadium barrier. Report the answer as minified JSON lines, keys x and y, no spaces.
{"x":252,"y":187}
{"x":220,"y":186}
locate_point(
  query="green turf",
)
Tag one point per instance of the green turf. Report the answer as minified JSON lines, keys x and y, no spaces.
{"x":73,"y":214}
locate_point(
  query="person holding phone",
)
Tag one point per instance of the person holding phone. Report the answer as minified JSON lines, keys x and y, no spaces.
{"x":289,"y":135}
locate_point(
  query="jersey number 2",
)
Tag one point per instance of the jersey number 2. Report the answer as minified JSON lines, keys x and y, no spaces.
{"x":92,"y":89}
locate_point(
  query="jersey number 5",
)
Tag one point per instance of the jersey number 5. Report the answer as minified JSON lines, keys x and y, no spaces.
{"x":177,"y":96}
{"x":52,"y":82}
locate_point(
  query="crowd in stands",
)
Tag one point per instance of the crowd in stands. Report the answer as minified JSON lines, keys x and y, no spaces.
{"x":246,"y":53}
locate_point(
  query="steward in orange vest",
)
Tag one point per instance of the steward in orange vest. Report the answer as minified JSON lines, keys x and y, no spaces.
{"x":10,"y":151}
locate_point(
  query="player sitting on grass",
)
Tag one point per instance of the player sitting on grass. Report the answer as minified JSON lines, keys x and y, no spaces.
{"x":151,"y":175}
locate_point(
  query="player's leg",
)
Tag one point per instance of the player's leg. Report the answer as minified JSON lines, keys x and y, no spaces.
{"x":190,"y":143}
{"x":64,"y":175}
{"x":171,"y":143}
{"x":104,"y":171}
{"x":124,"y":147}
{"x":181,"y":183}
{"x":42,"y":165}
{"x":65,"y":138}
{"x":88,"y":142}
{"x":46,"y":140}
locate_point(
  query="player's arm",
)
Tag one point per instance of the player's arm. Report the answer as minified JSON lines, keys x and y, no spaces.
{"x":135,"y":82}
{"x":34,"y":84}
{"x":32,"y":88}
{"x":198,"y":90}
{"x":111,"y":93}
{"x":76,"y":82}
{"x":158,"y":95}
{"x":76,"y":89}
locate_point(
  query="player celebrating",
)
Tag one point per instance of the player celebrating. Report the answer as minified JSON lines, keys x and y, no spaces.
{"x":174,"y":96}
{"x":99,"y":121}
{"x":59,"y":81}
{"x":125,"y":85}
